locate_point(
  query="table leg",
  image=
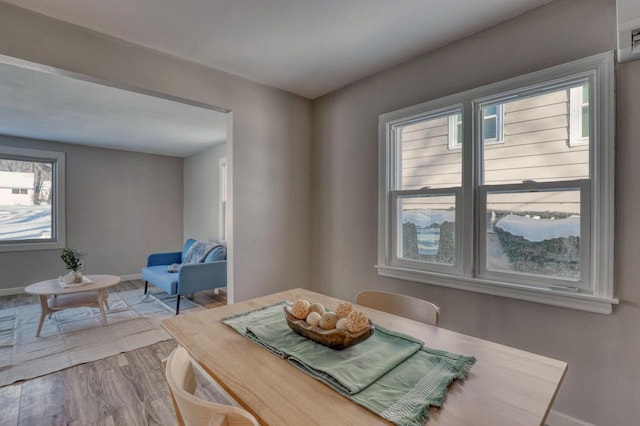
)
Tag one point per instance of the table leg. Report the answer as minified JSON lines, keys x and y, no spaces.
{"x":45,"y":309}
{"x":101,"y":303}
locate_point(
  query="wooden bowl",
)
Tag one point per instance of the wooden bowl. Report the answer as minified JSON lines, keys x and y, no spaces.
{"x":334,"y":339}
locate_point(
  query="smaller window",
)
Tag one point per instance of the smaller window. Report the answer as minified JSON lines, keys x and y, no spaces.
{"x":579,"y":115}
{"x":455,"y":131}
{"x":492,"y":126}
{"x":31,"y":199}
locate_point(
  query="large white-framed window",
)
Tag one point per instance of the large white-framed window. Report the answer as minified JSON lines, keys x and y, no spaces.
{"x":529,"y":218}
{"x":32,"y":215}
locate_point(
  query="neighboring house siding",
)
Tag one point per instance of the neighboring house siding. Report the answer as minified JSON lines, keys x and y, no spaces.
{"x":535,"y":147}
{"x":426,"y":157}
{"x":14,"y":180}
{"x":536,"y":143}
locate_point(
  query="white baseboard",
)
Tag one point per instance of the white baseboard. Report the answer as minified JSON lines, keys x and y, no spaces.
{"x":11,"y":291}
{"x":130,"y":277}
{"x":556,"y":418}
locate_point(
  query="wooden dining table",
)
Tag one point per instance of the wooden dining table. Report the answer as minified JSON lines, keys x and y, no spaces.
{"x":506,"y":386}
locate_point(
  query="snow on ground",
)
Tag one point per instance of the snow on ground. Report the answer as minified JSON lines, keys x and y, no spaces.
{"x":537,"y":230}
{"x":423,"y":218}
{"x":25,"y":222}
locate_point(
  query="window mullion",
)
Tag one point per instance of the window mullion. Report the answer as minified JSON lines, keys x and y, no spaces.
{"x":467,"y":208}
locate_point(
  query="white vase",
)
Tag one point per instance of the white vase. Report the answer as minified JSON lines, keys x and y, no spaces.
{"x":69,"y":278}
{"x":77,"y":277}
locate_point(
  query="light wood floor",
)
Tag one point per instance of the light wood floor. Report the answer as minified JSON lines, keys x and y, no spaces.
{"x":126,"y":389}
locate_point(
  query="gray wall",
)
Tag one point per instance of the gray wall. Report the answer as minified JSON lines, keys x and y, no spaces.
{"x":202,"y":194}
{"x":270,"y":150}
{"x":602,"y":383}
{"x":117,"y":212}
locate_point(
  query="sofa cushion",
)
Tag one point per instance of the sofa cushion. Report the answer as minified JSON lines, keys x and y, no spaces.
{"x":186,"y":247}
{"x":161,"y":278}
{"x":218,"y":253}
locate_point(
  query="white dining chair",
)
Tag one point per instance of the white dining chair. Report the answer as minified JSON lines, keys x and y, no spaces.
{"x":400,"y":304}
{"x":191,"y":410}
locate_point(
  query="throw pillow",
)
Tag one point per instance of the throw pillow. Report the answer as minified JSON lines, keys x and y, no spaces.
{"x":218,"y":253}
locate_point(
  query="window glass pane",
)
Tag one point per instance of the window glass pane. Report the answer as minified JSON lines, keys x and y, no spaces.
{"x":25,"y":200}
{"x":536,"y":143}
{"x":427,"y":228}
{"x":491,"y":123}
{"x":585,"y":121}
{"x":585,"y":94}
{"x":534,"y":232}
{"x":489,"y":128}
{"x":490,"y":110}
{"x":426,"y":159}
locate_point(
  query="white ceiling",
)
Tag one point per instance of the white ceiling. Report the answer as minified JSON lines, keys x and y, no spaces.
{"x":308,"y":47}
{"x":41,"y":105}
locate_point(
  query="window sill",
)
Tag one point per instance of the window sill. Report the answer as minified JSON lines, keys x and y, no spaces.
{"x":580,"y":301}
{"x":29,"y":246}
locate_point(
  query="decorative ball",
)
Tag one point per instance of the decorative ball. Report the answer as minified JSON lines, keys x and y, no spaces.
{"x":313,"y":318}
{"x":357,"y":321}
{"x":344,"y":309}
{"x":316,"y":307}
{"x":328,"y":321}
{"x":341,"y":324}
{"x":300,"y":309}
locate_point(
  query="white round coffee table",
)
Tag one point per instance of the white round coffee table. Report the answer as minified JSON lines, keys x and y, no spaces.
{"x":90,"y":294}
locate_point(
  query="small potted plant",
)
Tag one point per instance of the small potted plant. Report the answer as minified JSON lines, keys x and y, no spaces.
{"x":72,"y":259}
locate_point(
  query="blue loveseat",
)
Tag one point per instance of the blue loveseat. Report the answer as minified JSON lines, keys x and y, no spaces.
{"x":208,"y":274}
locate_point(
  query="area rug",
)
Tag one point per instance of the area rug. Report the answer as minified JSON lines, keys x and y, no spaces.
{"x":75,"y":336}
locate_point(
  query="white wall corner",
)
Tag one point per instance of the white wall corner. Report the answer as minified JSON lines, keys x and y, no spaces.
{"x":557,"y":418}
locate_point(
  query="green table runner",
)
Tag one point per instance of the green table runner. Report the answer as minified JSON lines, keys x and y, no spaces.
{"x":390,"y":373}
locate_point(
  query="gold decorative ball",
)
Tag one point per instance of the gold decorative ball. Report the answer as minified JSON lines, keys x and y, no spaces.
{"x":300,"y":309}
{"x":344,"y":309}
{"x":357,"y":321}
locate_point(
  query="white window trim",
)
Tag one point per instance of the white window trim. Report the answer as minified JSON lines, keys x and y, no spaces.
{"x":58,"y":232}
{"x":222,"y":178}
{"x":599,"y":298}
{"x":575,"y":117}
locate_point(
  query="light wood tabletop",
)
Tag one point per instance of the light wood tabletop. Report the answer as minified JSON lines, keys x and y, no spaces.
{"x":53,"y":287}
{"x":506,"y":386}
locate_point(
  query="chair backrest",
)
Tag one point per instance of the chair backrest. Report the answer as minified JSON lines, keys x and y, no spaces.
{"x":400,"y":304}
{"x":193,"y":411}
